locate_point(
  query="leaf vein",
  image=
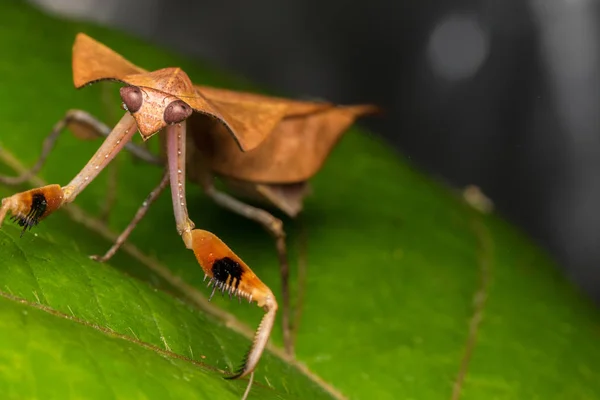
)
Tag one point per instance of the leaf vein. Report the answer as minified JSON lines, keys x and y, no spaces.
{"x":78,"y":215}
{"x":33,"y":274}
{"x":106,"y":331}
{"x":161,"y":335}
{"x":94,"y":293}
{"x":479,"y":302}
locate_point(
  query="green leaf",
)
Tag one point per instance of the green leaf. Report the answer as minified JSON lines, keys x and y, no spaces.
{"x":410,"y":293}
{"x":48,"y":355}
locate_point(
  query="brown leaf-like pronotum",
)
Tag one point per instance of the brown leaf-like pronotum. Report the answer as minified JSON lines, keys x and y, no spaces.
{"x":262,"y":147}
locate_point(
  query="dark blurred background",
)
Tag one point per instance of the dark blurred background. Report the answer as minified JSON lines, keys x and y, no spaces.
{"x":503,"y":94}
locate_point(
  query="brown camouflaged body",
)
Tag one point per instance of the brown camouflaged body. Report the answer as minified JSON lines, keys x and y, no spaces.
{"x":266,"y":146}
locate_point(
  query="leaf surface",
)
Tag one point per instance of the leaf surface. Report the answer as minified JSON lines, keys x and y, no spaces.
{"x":410,"y":293}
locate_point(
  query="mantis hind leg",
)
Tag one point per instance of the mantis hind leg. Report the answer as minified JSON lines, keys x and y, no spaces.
{"x":83,"y":126}
{"x":139,"y":215}
{"x":30,"y":207}
{"x":275,"y":227}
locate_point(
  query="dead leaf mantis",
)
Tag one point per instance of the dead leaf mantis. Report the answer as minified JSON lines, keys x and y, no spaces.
{"x":263,"y":147}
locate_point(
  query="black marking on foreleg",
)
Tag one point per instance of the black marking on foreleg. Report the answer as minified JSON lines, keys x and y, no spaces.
{"x":226,"y":277}
{"x":227,"y":271}
{"x":37,"y":210}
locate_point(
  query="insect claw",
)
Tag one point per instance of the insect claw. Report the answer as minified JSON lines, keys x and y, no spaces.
{"x":232,"y":275}
{"x":213,"y":293}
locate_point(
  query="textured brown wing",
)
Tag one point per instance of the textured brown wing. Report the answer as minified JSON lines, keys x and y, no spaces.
{"x":294,"y":151}
{"x":256,"y":116}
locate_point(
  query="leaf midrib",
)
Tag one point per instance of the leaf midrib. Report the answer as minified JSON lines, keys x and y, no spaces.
{"x":114,"y":334}
{"x":193,"y":296}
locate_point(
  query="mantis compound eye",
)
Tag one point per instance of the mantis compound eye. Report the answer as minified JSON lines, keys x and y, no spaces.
{"x":132,"y":98}
{"x":176,"y":112}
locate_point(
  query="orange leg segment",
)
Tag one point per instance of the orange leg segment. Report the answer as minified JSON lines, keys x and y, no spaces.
{"x":230,"y":274}
{"x":30,"y":207}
